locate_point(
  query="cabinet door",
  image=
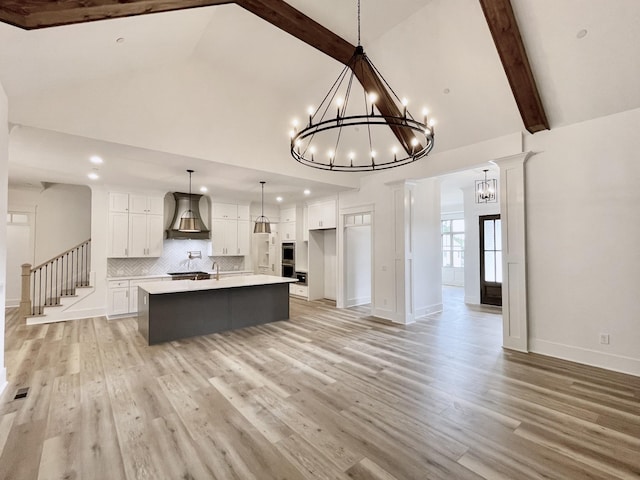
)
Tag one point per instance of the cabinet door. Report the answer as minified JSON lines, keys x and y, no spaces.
{"x":288,"y":215}
{"x":118,"y":303}
{"x":225,"y":210}
{"x":155,"y":235}
{"x":329,"y":214}
{"x":243,"y":212}
{"x":244,"y":237}
{"x":137,"y":235}
{"x":231,"y":237}
{"x":305,"y":224}
{"x":288,"y":231}
{"x":118,"y":232}
{"x":133,"y":299}
{"x":314,"y":216}
{"x":218,"y":230}
{"x":118,"y":202}
{"x":138,"y":203}
{"x":155,"y":205}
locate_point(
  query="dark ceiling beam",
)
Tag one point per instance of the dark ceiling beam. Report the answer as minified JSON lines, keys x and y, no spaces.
{"x":32,"y":14}
{"x":506,"y":35}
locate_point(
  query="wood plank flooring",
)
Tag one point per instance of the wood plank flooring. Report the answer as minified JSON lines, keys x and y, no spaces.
{"x":327,"y":395}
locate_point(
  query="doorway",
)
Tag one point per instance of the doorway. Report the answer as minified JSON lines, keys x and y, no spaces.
{"x":491,"y":260}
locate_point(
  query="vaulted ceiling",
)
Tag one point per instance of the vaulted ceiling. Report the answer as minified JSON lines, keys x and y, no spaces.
{"x":183,"y":82}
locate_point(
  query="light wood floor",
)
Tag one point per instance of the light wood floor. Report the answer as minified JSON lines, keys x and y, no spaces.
{"x":326,"y":395}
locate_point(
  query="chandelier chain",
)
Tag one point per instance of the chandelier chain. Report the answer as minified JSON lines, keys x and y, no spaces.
{"x":358,"y":22}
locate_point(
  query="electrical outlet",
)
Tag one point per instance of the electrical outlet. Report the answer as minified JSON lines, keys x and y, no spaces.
{"x":384,"y":301}
{"x":604,"y":338}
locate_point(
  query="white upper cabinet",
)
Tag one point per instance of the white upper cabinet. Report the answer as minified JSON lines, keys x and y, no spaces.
{"x":322,"y":215}
{"x":288,"y":215}
{"x":225,"y":210}
{"x":146,"y":204}
{"x":118,"y":202}
{"x":136,"y":225}
{"x":230,"y":230}
{"x":243,"y":212}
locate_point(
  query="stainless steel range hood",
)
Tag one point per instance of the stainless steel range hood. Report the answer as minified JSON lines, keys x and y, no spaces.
{"x":185,"y":202}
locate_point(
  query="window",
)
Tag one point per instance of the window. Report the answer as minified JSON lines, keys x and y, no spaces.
{"x":453,"y":243}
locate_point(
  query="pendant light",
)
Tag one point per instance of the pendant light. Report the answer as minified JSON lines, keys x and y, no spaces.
{"x":262,"y":223}
{"x":486,"y":189}
{"x":188,"y":220}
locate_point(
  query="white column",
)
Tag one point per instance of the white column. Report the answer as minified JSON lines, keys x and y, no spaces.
{"x":514,"y":266}
{"x":403,"y":198}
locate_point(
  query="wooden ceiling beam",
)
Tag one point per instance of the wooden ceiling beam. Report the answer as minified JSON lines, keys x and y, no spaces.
{"x":506,"y":36}
{"x":32,"y":14}
{"x":282,"y":15}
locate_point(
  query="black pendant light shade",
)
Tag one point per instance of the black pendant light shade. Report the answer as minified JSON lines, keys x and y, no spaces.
{"x":262,"y":223}
{"x":188,"y":221}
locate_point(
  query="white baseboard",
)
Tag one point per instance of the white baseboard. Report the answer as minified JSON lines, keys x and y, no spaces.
{"x":428,"y":310}
{"x":391,"y":316}
{"x":608,"y":361}
{"x":472,"y":300}
{"x":354,"y":302}
{"x":65,"y":316}
{"x":12,"y":302}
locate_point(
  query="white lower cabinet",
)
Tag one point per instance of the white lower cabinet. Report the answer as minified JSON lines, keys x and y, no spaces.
{"x":122,"y":296}
{"x":118,"y":297}
{"x":299,"y":290}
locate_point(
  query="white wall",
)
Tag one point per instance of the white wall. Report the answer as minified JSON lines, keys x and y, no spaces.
{"x":4,"y":177}
{"x":19,"y":251}
{"x":358,"y":264}
{"x":427,"y":252}
{"x":583,"y":227}
{"x":62,"y":217}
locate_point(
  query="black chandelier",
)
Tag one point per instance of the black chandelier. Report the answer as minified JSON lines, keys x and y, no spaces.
{"x":321,"y":143}
{"x":486,"y":189}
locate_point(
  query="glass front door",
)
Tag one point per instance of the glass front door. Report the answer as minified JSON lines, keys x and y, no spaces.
{"x":490,"y":260}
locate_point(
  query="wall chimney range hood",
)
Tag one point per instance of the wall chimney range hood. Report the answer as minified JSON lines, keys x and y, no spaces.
{"x":184,"y":202}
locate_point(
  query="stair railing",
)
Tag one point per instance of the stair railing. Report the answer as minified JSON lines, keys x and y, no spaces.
{"x":46,"y":284}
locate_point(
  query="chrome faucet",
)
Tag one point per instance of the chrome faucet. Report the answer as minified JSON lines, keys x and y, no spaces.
{"x":217,"y":269}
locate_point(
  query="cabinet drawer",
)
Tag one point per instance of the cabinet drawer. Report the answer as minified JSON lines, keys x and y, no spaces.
{"x":117,"y":283}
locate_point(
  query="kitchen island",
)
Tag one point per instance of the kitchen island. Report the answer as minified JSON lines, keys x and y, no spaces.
{"x":185,"y":308}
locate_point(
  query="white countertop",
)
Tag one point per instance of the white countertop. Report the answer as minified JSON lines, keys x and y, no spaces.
{"x":177,"y":286}
{"x":166,"y":275}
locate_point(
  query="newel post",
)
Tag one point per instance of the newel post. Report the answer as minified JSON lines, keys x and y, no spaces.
{"x":25,"y":296}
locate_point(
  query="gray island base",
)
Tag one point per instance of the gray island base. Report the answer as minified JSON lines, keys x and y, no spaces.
{"x":185,"y":308}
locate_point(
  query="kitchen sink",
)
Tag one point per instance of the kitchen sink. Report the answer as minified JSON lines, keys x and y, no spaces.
{"x":190,"y":275}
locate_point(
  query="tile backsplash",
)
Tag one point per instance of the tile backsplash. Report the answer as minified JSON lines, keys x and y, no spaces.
{"x":174,"y":259}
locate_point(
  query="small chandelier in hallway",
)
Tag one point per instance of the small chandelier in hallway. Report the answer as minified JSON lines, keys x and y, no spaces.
{"x":486,"y":189}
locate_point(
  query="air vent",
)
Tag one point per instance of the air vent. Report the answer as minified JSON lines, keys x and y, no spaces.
{"x":22,"y":393}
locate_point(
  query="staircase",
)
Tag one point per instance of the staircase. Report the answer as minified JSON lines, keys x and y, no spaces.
{"x":49,"y":289}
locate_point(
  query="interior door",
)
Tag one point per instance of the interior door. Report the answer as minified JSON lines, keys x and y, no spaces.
{"x":491,"y":260}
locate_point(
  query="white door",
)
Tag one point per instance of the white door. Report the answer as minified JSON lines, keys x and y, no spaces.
{"x":358,"y":265}
{"x":330,"y":264}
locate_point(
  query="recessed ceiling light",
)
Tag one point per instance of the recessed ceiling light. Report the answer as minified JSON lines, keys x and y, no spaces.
{"x":279,"y":199}
{"x":93,"y":176}
{"x":96,"y":159}
{"x":446,"y":91}
{"x":582,"y":33}
{"x":307,"y":192}
{"x":120,"y":40}
{"x":204,"y":189}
